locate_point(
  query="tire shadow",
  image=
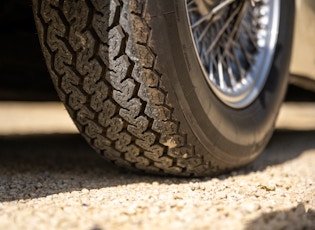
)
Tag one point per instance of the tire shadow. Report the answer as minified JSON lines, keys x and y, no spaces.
{"x":33,"y":166}
{"x":295,"y":218}
{"x":285,"y":145}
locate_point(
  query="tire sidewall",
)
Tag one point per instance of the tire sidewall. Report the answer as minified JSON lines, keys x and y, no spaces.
{"x":244,"y":132}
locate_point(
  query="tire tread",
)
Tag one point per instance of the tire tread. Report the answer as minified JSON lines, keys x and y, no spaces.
{"x":110,"y":83}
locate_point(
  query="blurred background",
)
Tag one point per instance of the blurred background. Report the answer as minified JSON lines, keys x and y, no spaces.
{"x":22,"y":67}
{"x":24,"y":77}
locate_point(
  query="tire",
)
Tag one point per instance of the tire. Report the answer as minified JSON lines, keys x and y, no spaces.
{"x":132,"y":81}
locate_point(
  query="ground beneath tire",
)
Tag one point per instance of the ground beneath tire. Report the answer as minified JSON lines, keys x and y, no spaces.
{"x":51,"y":179}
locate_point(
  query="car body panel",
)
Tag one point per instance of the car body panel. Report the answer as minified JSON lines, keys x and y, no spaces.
{"x":303,"y":55}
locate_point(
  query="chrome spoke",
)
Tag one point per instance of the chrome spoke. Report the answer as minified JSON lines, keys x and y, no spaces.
{"x":221,"y":32}
{"x":214,"y":11}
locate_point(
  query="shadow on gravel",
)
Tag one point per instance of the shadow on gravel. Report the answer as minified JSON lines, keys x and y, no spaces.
{"x":295,"y":218}
{"x":285,"y":145}
{"x":37,"y":166}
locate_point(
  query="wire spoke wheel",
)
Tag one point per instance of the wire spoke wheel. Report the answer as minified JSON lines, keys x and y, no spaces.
{"x":235,"y":42}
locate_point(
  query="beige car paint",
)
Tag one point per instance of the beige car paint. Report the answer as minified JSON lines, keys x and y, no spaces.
{"x":303,"y":56}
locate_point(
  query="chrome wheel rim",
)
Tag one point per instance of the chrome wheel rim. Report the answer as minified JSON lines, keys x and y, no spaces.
{"x":235,"y":42}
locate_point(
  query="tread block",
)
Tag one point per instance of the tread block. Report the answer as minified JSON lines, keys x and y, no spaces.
{"x":140,"y":28}
{"x":76,"y":99}
{"x":84,"y":115}
{"x":115,"y":127}
{"x":123,"y":142}
{"x":151,"y":95}
{"x":116,"y":36}
{"x":102,"y":143}
{"x":146,"y":76}
{"x":92,"y":130}
{"x":101,"y":93}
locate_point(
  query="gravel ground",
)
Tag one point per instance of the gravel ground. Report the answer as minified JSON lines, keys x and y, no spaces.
{"x":55,"y":181}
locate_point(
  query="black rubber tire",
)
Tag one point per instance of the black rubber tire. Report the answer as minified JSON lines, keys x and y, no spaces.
{"x":127,"y":73}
